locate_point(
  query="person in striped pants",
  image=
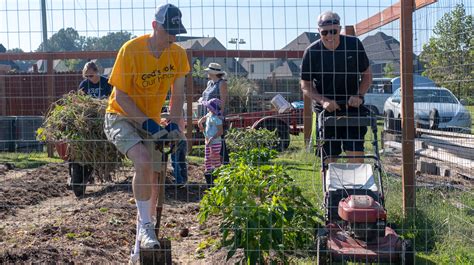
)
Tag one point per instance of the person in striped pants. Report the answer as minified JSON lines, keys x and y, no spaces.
{"x":213,"y":137}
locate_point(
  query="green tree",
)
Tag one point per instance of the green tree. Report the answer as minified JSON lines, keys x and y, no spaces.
{"x":15,"y":50}
{"x":198,"y":69}
{"x":448,"y":55}
{"x":64,"y":40}
{"x":22,"y":64}
{"x":389,"y":70}
{"x":110,"y":42}
{"x":240,"y":90}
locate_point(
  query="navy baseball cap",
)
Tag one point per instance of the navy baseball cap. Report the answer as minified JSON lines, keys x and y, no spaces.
{"x":169,"y":17}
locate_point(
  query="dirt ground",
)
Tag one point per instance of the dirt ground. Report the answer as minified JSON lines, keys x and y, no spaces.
{"x":42,"y":221}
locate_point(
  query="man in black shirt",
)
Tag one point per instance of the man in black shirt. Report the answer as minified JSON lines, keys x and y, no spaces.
{"x":336,"y":69}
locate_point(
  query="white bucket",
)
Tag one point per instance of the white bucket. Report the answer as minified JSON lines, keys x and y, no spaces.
{"x":280,"y":103}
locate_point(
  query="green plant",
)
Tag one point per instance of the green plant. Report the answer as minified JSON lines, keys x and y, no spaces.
{"x":241,"y":140}
{"x":198,"y":69}
{"x":263,"y":211}
{"x":255,"y":156}
{"x":240,"y":89}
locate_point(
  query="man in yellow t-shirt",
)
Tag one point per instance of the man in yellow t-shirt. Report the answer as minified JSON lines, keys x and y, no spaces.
{"x":145,"y":69}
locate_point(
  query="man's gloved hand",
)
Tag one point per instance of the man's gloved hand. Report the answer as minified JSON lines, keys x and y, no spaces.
{"x":155,"y":130}
{"x":174,"y":134}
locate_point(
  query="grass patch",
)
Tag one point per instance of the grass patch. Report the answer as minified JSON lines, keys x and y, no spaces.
{"x":28,"y":160}
{"x":443,"y":223}
{"x":442,"y":229}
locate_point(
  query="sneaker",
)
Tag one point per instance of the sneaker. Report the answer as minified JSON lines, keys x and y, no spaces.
{"x":134,"y":258}
{"x":148,"y":238}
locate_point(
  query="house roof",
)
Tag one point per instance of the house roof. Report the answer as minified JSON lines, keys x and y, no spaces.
{"x":58,"y":66}
{"x":302,"y":41}
{"x":204,"y":43}
{"x":286,"y":69}
{"x":381,"y":47}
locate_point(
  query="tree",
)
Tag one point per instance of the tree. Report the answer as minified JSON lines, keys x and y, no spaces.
{"x":389,"y":70}
{"x":198,"y":69}
{"x":15,"y":50}
{"x":64,"y":40}
{"x":110,"y":42}
{"x":448,"y":56}
{"x":240,"y":89}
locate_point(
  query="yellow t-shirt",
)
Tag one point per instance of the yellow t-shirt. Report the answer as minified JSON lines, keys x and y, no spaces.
{"x":145,"y":78}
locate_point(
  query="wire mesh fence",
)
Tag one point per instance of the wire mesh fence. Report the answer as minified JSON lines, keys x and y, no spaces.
{"x":71,"y":191}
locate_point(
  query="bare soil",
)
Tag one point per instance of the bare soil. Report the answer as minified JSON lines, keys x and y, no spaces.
{"x":42,"y":221}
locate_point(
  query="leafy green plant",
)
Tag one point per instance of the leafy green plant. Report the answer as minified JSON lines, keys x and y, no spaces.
{"x":240,"y":90}
{"x":263,"y":212}
{"x":255,"y":156}
{"x":242,"y":140}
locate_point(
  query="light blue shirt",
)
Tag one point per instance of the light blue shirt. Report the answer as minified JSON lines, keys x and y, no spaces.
{"x":212,"y":126}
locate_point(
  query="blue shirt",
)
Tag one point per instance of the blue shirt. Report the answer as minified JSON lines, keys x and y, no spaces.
{"x":212,"y":127}
{"x":212,"y":90}
{"x":100,"y":90}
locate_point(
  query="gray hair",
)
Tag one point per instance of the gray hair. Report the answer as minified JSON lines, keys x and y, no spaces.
{"x":328,"y":18}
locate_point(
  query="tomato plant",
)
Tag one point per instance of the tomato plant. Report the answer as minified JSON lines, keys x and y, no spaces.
{"x":263,"y":212}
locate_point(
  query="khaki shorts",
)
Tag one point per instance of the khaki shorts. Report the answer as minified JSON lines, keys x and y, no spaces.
{"x":125,"y":133}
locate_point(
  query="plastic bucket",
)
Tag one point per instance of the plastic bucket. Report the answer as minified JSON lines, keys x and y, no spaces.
{"x":7,"y":133}
{"x":280,"y":103}
{"x":26,"y":127}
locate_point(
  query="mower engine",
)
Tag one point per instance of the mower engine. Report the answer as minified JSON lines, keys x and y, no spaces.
{"x":364,"y":217}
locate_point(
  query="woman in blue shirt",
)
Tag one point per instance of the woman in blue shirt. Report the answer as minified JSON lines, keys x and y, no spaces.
{"x":217,"y":88}
{"x":94,"y":84}
{"x":217,"y":85}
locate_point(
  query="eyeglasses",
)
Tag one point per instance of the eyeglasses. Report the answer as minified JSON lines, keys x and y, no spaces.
{"x":89,"y":76}
{"x":330,"y":31}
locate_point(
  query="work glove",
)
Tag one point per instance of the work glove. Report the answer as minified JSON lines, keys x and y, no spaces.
{"x":174,"y":134}
{"x":155,"y":130}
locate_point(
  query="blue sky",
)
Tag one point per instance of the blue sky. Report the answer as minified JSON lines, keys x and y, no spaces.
{"x":263,"y":24}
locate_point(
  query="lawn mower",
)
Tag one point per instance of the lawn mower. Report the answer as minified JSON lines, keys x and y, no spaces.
{"x":356,"y":226}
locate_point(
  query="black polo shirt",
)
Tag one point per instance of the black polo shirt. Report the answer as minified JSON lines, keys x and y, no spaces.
{"x":335,"y":74}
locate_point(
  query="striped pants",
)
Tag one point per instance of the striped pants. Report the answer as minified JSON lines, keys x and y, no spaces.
{"x":212,"y":156}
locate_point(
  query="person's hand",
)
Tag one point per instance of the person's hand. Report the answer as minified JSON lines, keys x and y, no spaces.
{"x":154,"y":129}
{"x":330,"y":105}
{"x":201,"y":127}
{"x":355,"y":101}
{"x":174,"y":134}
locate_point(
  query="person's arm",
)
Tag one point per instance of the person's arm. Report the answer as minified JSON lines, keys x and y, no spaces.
{"x":107,"y":87}
{"x":82,"y":87}
{"x":366,"y":80}
{"x":307,"y":87}
{"x":313,"y":94}
{"x":224,"y":95}
{"x":366,"y":76}
{"x":201,"y":122}
{"x":219,"y":133}
{"x":129,"y":106}
{"x":177,"y":97}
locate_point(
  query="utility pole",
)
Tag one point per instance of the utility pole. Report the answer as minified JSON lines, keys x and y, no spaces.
{"x":236,"y":41}
{"x":45,"y":26}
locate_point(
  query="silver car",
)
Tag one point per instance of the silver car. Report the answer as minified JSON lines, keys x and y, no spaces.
{"x":435,"y":108}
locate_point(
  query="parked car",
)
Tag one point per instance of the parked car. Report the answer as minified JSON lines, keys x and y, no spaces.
{"x":435,"y":108}
{"x":383,"y":88}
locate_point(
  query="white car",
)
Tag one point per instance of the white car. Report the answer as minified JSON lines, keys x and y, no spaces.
{"x":435,"y":108}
